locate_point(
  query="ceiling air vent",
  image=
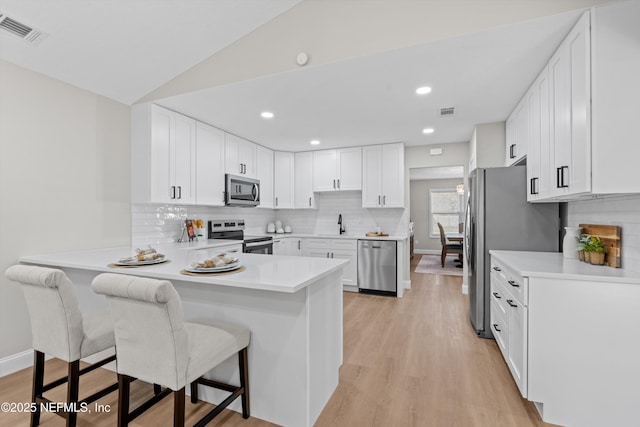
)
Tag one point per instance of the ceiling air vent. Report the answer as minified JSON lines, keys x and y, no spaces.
{"x":26,"y":33}
{"x":447,"y":112}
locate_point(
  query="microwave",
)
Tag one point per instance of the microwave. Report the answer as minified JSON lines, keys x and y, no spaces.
{"x":241,"y":191}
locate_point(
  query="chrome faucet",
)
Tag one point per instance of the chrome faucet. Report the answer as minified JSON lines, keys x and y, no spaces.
{"x":342,"y":229}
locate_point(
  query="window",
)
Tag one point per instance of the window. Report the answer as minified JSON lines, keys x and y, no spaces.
{"x":445,"y":207}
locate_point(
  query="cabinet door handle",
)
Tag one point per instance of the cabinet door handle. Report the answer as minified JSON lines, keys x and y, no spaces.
{"x":384,"y":200}
{"x":309,"y":201}
{"x":276,"y":201}
{"x":179,"y":192}
{"x":299,"y":244}
{"x":512,"y":283}
{"x":510,"y":302}
{"x":497,"y":295}
{"x":327,"y":254}
{"x":338,"y":184}
{"x":495,"y":326}
{"x":497,"y":268}
{"x":379,"y":202}
{"x":512,"y":154}
{"x":534,"y":186}
{"x":334,"y":184}
{"x":172,"y":195}
{"x":560,"y":177}
{"x":331,"y":254}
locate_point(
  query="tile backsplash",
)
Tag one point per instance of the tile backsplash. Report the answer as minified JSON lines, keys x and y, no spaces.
{"x":623,"y":211}
{"x":154,"y":224}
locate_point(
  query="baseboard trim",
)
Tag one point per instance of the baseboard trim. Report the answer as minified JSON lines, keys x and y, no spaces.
{"x":427,"y":251}
{"x":465,"y":289}
{"x":16,"y":362}
{"x":407,"y":284}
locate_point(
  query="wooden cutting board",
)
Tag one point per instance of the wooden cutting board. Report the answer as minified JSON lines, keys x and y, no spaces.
{"x":611,"y":236}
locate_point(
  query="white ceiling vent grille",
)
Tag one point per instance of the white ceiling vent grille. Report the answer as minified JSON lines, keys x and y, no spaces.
{"x":447,"y":112}
{"x":26,"y":33}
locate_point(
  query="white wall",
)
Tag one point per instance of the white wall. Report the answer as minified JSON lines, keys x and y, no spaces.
{"x":623,"y":211}
{"x":64,"y":180}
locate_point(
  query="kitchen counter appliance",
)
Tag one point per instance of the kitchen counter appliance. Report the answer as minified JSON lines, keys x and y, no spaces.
{"x":234,"y":230}
{"x":377,"y":267}
{"x":498,"y":217}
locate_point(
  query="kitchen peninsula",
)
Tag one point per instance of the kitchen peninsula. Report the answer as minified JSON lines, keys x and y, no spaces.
{"x":292,"y":305}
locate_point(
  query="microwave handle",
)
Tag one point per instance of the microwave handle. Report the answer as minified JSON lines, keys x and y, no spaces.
{"x":255,"y":193}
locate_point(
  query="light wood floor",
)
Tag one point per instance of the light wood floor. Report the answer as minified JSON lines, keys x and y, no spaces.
{"x":413,"y":361}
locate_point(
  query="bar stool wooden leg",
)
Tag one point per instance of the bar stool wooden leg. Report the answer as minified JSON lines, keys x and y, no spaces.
{"x":123,"y":399}
{"x":178,"y":408}
{"x":194,"y":392}
{"x":72,"y":391}
{"x":243,"y":364}
{"x":38,"y":384}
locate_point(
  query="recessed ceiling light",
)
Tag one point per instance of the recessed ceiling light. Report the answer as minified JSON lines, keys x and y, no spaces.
{"x":267,"y":115}
{"x":423,"y":90}
{"x":315,"y":142}
{"x":427,"y":131}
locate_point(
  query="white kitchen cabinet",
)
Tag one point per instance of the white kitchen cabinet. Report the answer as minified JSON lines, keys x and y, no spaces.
{"x":509,"y":320}
{"x":592,"y":87}
{"x":517,"y":130}
{"x":538,"y":153}
{"x":264,"y":173}
{"x":383,"y":176}
{"x":295,"y":246}
{"x":337,"y":248}
{"x":209,"y":165}
{"x":280,"y":246}
{"x":240,"y":156}
{"x":337,"y":170}
{"x":283,"y":180}
{"x":303,"y":195}
{"x":173,"y":155}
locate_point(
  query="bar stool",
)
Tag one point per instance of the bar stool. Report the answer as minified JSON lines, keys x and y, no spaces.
{"x":155,"y":345}
{"x":59,"y":329}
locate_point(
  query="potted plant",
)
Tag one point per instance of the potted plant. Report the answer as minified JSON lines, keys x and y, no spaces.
{"x":583,"y":241}
{"x":594,"y":250}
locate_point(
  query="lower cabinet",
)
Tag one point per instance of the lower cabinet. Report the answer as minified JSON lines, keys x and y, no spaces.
{"x":294,"y":246}
{"x":337,"y":248}
{"x":280,"y":246}
{"x":509,"y":320}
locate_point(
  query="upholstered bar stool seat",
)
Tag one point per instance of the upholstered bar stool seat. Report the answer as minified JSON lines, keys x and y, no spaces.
{"x":59,"y":329}
{"x":155,"y":345}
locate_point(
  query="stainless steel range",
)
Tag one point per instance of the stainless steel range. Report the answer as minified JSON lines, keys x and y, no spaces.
{"x":233,"y":229}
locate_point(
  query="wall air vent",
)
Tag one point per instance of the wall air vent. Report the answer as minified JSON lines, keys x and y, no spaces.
{"x":447,"y":112}
{"x":26,"y":33}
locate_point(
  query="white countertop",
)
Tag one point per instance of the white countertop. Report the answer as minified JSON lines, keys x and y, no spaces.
{"x":554,"y":265}
{"x":334,"y":236}
{"x":262,"y":272}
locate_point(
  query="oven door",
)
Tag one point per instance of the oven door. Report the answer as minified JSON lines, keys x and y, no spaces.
{"x":265,"y":248}
{"x":241,"y":191}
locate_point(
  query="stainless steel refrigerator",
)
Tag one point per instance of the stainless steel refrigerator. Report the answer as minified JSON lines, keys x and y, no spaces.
{"x":498,"y":216}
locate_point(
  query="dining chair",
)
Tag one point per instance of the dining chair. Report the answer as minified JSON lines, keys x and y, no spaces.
{"x":156,"y":345}
{"x":59,"y":329}
{"x":447,"y":248}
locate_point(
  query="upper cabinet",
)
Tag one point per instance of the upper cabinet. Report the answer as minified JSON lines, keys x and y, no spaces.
{"x":283,"y":180}
{"x":337,"y":170}
{"x":383,"y":176}
{"x":583,"y":108}
{"x":264,"y":173}
{"x":303,"y":196}
{"x":209,"y":165}
{"x":240,"y":156}
{"x":164,"y":155}
{"x":517,"y":130}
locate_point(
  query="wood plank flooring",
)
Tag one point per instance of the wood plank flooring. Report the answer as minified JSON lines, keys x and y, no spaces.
{"x":413,"y":361}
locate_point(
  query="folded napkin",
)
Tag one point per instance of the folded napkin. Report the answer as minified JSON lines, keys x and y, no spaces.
{"x":148,"y":254}
{"x":217,"y":261}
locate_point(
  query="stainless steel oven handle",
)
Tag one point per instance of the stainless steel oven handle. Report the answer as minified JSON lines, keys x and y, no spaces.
{"x":255,"y":192}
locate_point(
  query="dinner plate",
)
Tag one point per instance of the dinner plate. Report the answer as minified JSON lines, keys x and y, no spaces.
{"x":147,"y":262}
{"x":228,"y":267}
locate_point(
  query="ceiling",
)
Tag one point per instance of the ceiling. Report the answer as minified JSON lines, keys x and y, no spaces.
{"x":372,"y":99}
{"x":126,"y":49}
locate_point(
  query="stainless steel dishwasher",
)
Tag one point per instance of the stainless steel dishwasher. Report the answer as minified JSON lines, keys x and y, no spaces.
{"x":377,"y":267}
